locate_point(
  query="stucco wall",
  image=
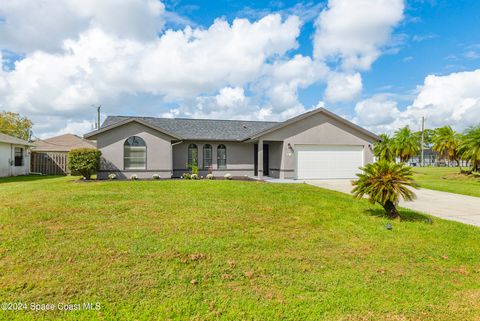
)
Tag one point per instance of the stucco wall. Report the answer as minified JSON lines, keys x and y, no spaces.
{"x":239,"y":158}
{"x":318,"y":129}
{"x":6,"y":155}
{"x":159,"y":155}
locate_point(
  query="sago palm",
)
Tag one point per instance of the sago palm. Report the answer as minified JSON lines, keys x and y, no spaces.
{"x":446,"y":142}
{"x":384,"y":183}
{"x":406,"y":143}
{"x":470,"y":147}
{"x":383,"y":149}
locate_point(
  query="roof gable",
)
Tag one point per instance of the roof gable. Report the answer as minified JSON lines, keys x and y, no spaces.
{"x":313,"y":112}
{"x":64,"y":143}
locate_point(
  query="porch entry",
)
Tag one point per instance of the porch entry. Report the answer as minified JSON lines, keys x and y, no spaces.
{"x":266,"y":169}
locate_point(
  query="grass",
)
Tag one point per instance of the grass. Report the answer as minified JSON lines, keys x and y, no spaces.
{"x":229,"y":250}
{"x":448,"y":179}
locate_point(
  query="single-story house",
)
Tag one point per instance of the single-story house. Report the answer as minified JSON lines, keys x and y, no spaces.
{"x":14,"y":156}
{"x":315,"y":145}
{"x":49,"y":155}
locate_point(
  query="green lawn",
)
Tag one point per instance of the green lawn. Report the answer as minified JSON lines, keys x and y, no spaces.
{"x":230,"y":250}
{"x":448,"y":179}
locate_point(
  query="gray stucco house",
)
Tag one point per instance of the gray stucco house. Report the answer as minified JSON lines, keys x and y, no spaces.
{"x":315,"y":145}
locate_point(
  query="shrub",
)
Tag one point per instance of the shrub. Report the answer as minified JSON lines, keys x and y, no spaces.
{"x":195,"y":169}
{"x":156,"y":176}
{"x":228,"y":176}
{"x":385,"y":182}
{"x":210,"y":176}
{"x":134,"y":177}
{"x":112,"y":176}
{"x":186,"y":176}
{"x":194,"y":176}
{"x":84,"y":161}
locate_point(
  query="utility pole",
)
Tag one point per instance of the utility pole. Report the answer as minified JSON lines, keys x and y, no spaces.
{"x":98,"y":116}
{"x":422,"y":162}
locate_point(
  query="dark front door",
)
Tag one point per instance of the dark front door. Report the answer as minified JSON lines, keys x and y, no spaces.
{"x":265,"y":159}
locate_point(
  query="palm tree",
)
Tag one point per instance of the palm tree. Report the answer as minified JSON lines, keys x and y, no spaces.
{"x":383,"y":149}
{"x":446,"y":142}
{"x":406,"y":143}
{"x":470,"y":147}
{"x":385,"y":182}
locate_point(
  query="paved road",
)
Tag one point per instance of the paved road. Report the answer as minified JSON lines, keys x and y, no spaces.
{"x":449,"y":206}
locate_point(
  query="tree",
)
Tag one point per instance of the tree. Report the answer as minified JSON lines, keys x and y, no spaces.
{"x":84,"y":161}
{"x":383,"y":149}
{"x":406,"y":143}
{"x":446,"y":142}
{"x":15,"y":125}
{"x":470,"y":147}
{"x":384,"y":183}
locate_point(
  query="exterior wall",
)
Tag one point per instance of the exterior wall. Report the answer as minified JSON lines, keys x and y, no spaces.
{"x":318,"y":129}
{"x":7,"y":168}
{"x":159,"y":152}
{"x":239,"y":158}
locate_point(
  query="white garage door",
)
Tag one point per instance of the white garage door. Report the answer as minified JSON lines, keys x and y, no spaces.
{"x":328,"y":161}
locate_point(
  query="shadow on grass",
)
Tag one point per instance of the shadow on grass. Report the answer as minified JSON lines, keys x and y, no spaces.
{"x":25,"y":178}
{"x":405,"y":215}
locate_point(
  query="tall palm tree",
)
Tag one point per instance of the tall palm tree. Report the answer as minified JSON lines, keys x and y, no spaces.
{"x":384,"y":183}
{"x":406,"y":143}
{"x":446,"y":142}
{"x":470,"y":147}
{"x":383,"y":149}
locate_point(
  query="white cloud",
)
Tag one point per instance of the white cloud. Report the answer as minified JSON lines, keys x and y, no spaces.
{"x":452,"y":99}
{"x":77,"y":53}
{"x":354,"y":32}
{"x":343,"y":87}
{"x":44,"y":25}
{"x":179,"y":66}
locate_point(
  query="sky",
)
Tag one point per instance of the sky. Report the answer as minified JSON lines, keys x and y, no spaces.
{"x":382,"y":64}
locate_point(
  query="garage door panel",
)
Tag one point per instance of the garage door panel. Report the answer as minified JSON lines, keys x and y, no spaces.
{"x":328,"y":161}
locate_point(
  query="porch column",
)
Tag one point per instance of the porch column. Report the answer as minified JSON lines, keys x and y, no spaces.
{"x":260,"y":159}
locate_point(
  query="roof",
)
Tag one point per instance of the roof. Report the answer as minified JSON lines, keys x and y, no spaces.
{"x":192,"y":129}
{"x":13,"y":140}
{"x":62,"y":143}
{"x":312,"y":112}
{"x":212,"y":129}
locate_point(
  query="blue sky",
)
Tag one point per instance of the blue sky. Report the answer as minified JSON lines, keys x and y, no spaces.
{"x":423,"y":61}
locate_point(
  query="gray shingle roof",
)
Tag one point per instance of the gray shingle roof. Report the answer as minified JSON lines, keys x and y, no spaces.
{"x":201,"y":129}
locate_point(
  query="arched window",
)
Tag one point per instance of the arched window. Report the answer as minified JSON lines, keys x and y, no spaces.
{"x":221,"y":156}
{"x":207,"y":156}
{"x":134,"y":153}
{"x":192,"y":159}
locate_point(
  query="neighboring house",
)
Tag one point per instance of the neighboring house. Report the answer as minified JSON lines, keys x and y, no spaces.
{"x":14,"y":156}
{"x":49,"y":156}
{"x":314,"y":145}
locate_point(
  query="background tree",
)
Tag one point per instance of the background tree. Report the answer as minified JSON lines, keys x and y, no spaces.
{"x":15,"y":125}
{"x":470,"y":147}
{"x":406,"y":143}
{"x":384,"y":183}
{"x":446,"y":142}
{"x":383,"y":149}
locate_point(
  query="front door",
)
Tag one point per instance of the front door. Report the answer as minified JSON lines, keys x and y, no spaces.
{"x":265,"y":159}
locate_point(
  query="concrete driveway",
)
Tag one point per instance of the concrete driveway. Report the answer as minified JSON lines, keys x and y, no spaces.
{"x":449,"y":206}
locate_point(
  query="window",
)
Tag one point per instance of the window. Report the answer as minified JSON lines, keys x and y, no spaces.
{"x":192,"y":156}
{"x":134,"y":153}
{"x":19,"y":156}
{"x":207,"y":156}
{"x":221,"y":157}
